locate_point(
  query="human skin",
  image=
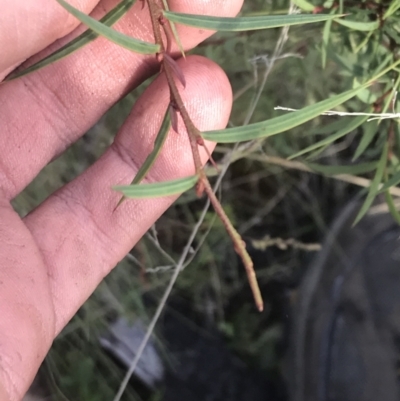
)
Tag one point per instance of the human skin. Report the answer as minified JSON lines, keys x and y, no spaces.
{"x":53,"y":259}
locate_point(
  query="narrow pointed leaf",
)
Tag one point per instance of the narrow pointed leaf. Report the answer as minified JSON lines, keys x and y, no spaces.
{"x":393,"y":181}
{"x":370,"y":131}
{"x":332,"y":127}
{"x":304,"y":5}
{"x":351,"y":125}
{"x":175,"y":68}
{"x":173,"y":114}
{"x":392,"y":206}
{"x":245,"y":23}
{"x":83,"y":39}
{"x":279,"y":124}
{"x":374,"y":187}
{"x":325,"y":41}
{"x":317,"y":152}
{"x":151,"y":158}
{"x":119,"y":38}
{"x":175,"y":32}
{"x":158,"y":144}
{"x":359,"y":26}
{"x":157,"y":189}
{"x":391,"y":9}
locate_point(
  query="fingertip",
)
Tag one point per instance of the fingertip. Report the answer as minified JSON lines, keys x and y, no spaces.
{"x":226,"y":8}
{"x":207,"y":98}
{"x":28,"y":26}
{"x":208,"y":82}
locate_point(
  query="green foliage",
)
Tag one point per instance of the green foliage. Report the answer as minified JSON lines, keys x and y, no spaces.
{"x":304,"y":5}
{"x":341,"y":128}
{"x":102,"y":29}
{"x":131,"y":191}
{"x":83,"y":39}
{"x":158,"y":143}
{"x":279,"y":124}
{"x":158,"y":189}
{"x":237,"y":24}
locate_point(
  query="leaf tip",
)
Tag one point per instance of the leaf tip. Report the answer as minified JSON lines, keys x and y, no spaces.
{"x":176,"y":69}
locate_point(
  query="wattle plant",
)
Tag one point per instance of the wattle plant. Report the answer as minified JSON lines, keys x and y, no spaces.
{"x":163,"y":22}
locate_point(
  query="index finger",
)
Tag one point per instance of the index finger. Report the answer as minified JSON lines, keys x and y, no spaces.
{"x":28,"y":26}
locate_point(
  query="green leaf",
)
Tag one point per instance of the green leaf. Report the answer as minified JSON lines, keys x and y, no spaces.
{"x":351,"y":125}
{"x":157,"y":189}
{"x":389,"y":99}
{"x":347,"y":63}
{"x":367,"y":96}
{"x":392,"y":182}
{"x":279,"y":124}
{"x":158,"y":143}
{"x":392,"y":207}
{"x":336,"y":170}
{"x":332,"y":127}
{"x":325,"y":41}
{"x":374,"y":187}
{"x":245,"y":23}
{"x":317,"y":152}
{"x":285,"y":122}
{"x":370,"y":129}
{"x":391,"y":9}
{"x":359,"y":26}
{"x":175,"y":32}
{"x":83,"y":39}
{"x":304,"y":5}
{"x":120,"y":39}
{"x":151,"y":158}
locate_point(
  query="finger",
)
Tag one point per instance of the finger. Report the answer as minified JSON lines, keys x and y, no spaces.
{"x":29,"y":26}
{"x":27,"y":313}
{"x":45,"y":112}
{"x":79,"y":235}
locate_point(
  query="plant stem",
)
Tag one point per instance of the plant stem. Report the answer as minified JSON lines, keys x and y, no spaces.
{"x":240,"y":246}
{"x":196,"y":139}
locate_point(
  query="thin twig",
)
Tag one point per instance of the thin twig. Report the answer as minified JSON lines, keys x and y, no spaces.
{"x":374,"y":116}
{"x":162,"y":303}
{"x":290,"y":164}
{"x":276,"y":55}
{"x":283,"y":244}
{"x":283,"y":37}
{"x":195,"y":139}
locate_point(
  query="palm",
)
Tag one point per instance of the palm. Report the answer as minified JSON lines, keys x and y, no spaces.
{"x":53,"y":259}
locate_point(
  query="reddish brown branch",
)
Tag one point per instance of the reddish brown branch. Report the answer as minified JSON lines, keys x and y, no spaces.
{"x":196,"y":140}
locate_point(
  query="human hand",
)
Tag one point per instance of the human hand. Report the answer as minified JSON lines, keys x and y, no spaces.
{"x":53,"y":259}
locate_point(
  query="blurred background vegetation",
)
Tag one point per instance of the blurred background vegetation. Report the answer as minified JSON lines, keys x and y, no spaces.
{"x":281,"y":209}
